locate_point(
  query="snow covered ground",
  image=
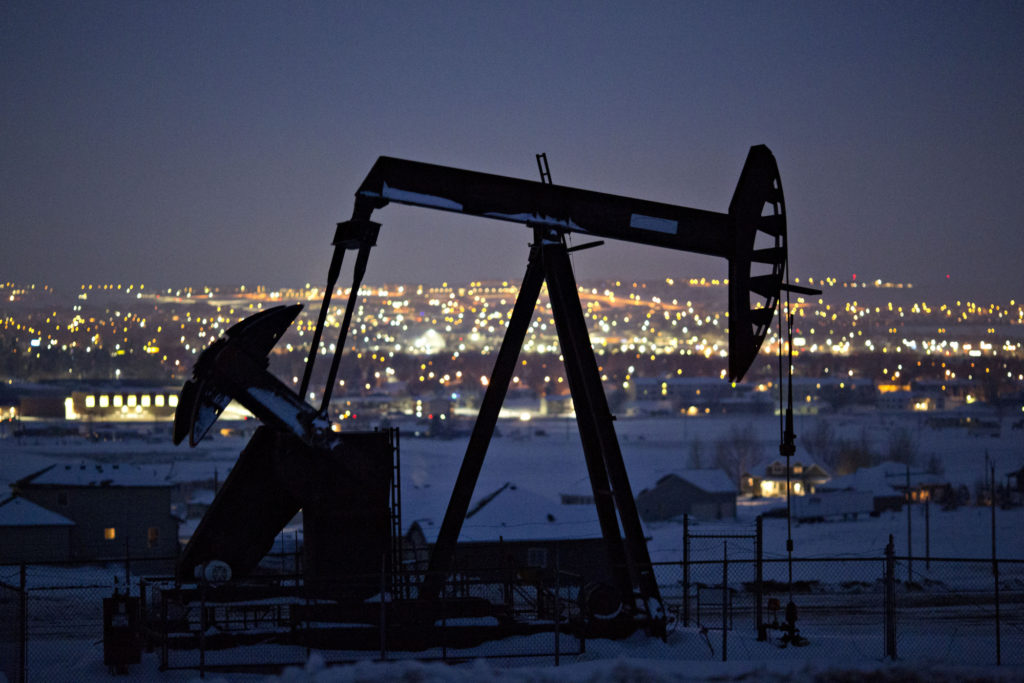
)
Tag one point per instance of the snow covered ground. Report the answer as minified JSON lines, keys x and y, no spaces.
{"x":544,"y":456}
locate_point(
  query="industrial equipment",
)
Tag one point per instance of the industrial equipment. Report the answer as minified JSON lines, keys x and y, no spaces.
{"x":346,"y":482}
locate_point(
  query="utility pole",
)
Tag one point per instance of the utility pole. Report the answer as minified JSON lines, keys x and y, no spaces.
{"x":910,"y":548}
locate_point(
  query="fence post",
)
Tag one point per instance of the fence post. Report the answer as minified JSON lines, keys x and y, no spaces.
{"x":144,"y":613}
{"x":725,"y":597}
{"x":127,"y":564}
{"x":558,"y":605}
{"x":890,"y":600}
{"x":163,"y":628}
{"x":202,"y":628}
{"x":762,"y":632}
{"x":23,"y":625}
{"x":686,"y":570}
{"x":383,"y":609}
{"x":995,"y":572}
{"x":999,"y":644}
{"x":927,"y":534}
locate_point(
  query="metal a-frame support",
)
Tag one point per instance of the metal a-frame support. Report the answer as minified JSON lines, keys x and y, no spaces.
{"x":627,"y":550}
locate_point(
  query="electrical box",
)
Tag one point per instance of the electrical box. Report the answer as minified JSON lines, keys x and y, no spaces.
{"x":121,"y":643}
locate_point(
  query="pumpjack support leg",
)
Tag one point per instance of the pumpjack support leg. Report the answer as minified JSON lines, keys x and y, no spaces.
{"x":483,"y":429}
{"x":600,"y":443}
{"x":627,"y":550}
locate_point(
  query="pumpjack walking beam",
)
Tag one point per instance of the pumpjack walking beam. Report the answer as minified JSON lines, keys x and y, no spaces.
{"x":752,"y":235}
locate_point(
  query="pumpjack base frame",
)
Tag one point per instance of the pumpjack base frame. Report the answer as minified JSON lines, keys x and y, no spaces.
{"x":354,"y":625}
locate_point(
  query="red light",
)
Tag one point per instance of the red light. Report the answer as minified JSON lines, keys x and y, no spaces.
{"x":855,"y":276}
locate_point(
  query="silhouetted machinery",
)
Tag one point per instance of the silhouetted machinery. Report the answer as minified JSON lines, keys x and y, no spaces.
{"x":344,"y":482}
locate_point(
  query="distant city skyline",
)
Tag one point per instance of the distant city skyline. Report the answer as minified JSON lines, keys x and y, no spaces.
{"x":189,"y":144}
{"x":879,"y":333}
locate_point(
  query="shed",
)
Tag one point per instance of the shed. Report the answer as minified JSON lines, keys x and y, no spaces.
{"x":516,"y":531}
{"x":703,"y":493}
{"x":30,"y":533}
{"x":887,"y":483}
{"x":118,"y":510}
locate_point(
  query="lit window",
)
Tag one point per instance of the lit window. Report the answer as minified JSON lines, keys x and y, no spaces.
{"x":118,"y":400}
{"x":110,"y":533}
{"x":158,"y":400}
{"x":104,"y":401}
{"x":133,"y":400}
{"x":172,"y":400}
{"x":90,"y":401}
{"x":145,"y":400}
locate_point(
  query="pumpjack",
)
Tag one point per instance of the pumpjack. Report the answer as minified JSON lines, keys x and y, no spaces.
{"x":342,"y":480}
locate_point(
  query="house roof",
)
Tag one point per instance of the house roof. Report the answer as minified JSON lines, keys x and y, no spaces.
{"x":16,"y":511}
{"x":580,"y":487}
{"x":201,"y":496}
{"x":883,"y":478}
{"x":512,"y":513}
{"x":90,"y":474}
{"x":708,"y":480}
{"x":803,"y":459}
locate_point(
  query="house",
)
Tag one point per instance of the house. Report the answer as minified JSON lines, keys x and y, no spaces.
{"x":198,"y":501}
{"x":579,"y":492}
{"x":30,"y":533}
{"x":1015,"y":487}
{"x":706,"y":494}
{"x":694,"y":396}
{"x":768,"y":477}
{"x":512,"y":531}
{"x":824,"y":505}
{"x":123,"y":401}
{"x":118,"y":511}
{"x":887,"y":485}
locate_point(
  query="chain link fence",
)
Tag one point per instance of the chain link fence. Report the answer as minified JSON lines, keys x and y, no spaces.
{"x":959,"y":611}
{"x":940,"y":610}
{"x":12,"y":632}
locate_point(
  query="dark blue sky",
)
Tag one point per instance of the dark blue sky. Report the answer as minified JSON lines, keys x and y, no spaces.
{"x":191,"y":143}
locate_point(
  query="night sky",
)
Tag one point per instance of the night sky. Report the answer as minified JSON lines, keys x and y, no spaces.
{"x":189,"y":143}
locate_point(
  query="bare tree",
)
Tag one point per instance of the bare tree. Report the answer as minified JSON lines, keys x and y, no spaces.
{"x":820,"y":441}
{"x":902,"y":446}
{"x":852,"y":454}
{"x":737,"y":452}
{"x":694,"y":460}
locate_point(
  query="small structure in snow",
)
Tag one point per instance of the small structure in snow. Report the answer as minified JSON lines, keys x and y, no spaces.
{"x":825,"y":505}
{"x":518,"y":533}
{"x":887,"y":484}
{"x":705,"y":494}
{"x":31,"y":533}
{"x":117,"y":510}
